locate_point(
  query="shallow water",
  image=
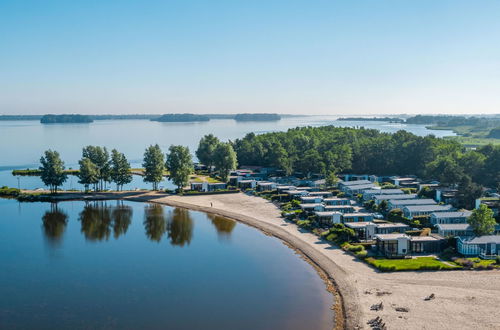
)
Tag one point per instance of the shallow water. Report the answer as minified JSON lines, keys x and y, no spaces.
{"x":132,"y":265}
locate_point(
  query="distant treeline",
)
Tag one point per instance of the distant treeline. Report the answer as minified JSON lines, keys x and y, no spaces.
{"x":257,"y":117}
{"x":181,"y":117}
{"x":63,"y":119}
{"x":389,"y":119}
{"x":451,"y":121}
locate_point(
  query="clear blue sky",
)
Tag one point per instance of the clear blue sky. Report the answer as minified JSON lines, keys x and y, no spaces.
{"x":311,"y":57}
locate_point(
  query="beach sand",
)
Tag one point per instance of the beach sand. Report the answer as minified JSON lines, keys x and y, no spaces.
{"x":463,"y":299}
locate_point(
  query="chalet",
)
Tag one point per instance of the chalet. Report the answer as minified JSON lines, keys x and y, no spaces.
{"x":379,"y":198}
{"x":401,"y":245}
{"x":328,"y":217}
{"x":281,"y":188}
{"x":446,"y":195}
{"x":337,"y":201}
{"x":399,"y":181}
{"x":486,"y":247}
{"x":312,"y":207}
{"x":371,"y":193}
{"x":296,"y":193}
{"x":455,"y":229}
{"x":359,"y":189}
{"x":357,"y":217}
{"x":449,"y":217}
{"x":339,"y":208}
{"x":355,"y":177}
{"x":323,"y":194}
{"x":208,"y":186}
{"x":266,"y":186}
{"x":401,"y":203}
{"x":415,"y":210}
{"x":366,"y":231}
{"x":492,"y":202}
{"x":343,"y":184}
{"x":311,"y":199}
{"x":247,"y":184}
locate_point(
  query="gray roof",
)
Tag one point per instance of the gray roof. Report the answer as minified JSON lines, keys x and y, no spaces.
{"x":454,"y":226}
{"x":384,"y":191}
{"x":326,"y":213}
{"x":358,"y":214}
{"x":458,"y":214}
{"x":427,"y":208}
{"x":416,"y":201}
{"x":484,"y":239}
{"x":354,"y":183}
{"x":398,"y":196}
{"x":361,"y":186}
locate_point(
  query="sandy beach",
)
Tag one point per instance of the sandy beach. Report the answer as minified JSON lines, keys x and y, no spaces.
{"x":463,"y":299}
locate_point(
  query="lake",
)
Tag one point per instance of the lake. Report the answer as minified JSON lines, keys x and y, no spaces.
{"x":127,"y":265}
{"x":23,"y":142}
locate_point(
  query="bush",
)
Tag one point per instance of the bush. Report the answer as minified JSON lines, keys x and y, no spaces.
{"x":306,"y":224}
{"x":355,"y":248}
{"x":9,"y":192}
{"x":498,"y":260}
{"x":466,"y":263}
{"x":277,"y":197}
{"x":361,"y":254}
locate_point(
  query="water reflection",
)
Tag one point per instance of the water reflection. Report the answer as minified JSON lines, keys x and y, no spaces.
{"x":224,"y":226}
{"x":180,"y":227}
{"x":98,"y":219}
{"x":54,"y":224}
{"x":154,"y":222}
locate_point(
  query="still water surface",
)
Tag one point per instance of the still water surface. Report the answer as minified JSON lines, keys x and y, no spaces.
{"x":23,"y":142}
{"x":132,"y":265}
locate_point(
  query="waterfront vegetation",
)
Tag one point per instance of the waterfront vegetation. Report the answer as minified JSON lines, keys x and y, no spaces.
{"x":181,"y":117}
{"x":420,"y":263}
{"x":65,"y":119}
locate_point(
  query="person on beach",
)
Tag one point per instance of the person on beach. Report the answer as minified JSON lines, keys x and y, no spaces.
{"x":211,"y":205}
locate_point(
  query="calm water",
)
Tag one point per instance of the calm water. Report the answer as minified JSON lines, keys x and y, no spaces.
{"x":23,"y":142}
{"x":132,"y":265}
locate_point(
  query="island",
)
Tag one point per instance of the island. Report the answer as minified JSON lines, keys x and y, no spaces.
{"x":181,"y":117}
{"x":66,"y":119}
{"x":257,"y":117}
{"x":389,"y":119}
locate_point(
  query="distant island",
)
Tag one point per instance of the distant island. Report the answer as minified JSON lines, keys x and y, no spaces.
{"x":181,"y":117}
{"x":257,"y":117}
{"x":66,"y":119}
{"x":389,"y":119}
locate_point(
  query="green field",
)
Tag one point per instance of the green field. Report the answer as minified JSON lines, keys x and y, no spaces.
{"x":419,"y":263}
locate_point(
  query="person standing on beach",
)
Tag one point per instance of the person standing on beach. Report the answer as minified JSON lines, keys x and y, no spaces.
{"x":211,"y":205}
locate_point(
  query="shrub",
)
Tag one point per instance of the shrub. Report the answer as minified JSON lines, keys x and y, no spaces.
{"x":11,"y":192}
{"x":277,"y":197}
{"x":355,"y":248}
{"x":306,"y":224}
{"x":466,"y":263}
{"x":341,"y":194}
{"x":498,"y":260}
{"x":361,"y":254}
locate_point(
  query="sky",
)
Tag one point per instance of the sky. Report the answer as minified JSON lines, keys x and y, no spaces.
{"x":297,"y":57}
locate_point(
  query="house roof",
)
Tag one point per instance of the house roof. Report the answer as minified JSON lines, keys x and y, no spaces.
{"x":265,"y":183}
{"x":386,"y":237}
{"x":415,"y":201}
{"x":458,"y":214}
{"x":391,"y":225}
{"x":335,"y":199}
{"x":310,"y":205}
{"x":398,"y":196}
{"x":338,"y":207}
{"x":320,"y":193}
{"x":326,"y":213}
{"x":483,"y":239}
{"x":358,"y":214}
{"x":360,"y":224}
{"x":424,"y":238}
{"x":361,"y":186}
{"x":354,"y":183}
{"x":454,"y":226}
{"x":310,"y":198}
{"x":427,"y":208}
{"x":384,"y":191}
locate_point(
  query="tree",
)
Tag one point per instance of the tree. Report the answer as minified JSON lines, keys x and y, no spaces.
{"x":120,"y":169}
{"x":100,"y":157}
{"x":180,"y":165}
{"x":52,"y":170}
{"x":331,"y":179}
{"x":88,"y":174}
{"x":482,"y":221}
{"x":467,"y":193}
{"x":225,"y":160}
{"x":154,"y":165}
{"x":206,"y":149}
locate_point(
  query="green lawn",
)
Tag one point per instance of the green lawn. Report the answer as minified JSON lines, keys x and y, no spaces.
{"x":420,"y":263}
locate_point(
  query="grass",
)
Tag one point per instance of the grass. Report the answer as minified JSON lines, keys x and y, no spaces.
{"x":420,"y":263}
{"x":472,"y":142}
{"x":203,"y":178}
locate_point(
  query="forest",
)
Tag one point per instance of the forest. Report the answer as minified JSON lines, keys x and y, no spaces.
{"x":63,"y":119}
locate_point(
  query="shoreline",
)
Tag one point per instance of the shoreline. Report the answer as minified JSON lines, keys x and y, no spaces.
{"x":345,"y":315}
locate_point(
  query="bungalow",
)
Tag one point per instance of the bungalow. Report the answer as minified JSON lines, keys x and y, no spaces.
{"x":449,"y":217}
{"x":359,"y":189}
{"x":323,"y":194}
{"x":328,"y":217}
{"x":367,"y":230}
{"x":400,"y":203}
{"x":311,"y":199}
{"x":401,"y":245}
{"x":492,"y":202}
{"x":371,"y":193}
{"x":266,"y":186}
{"x":446,"y":195}
{"x":208,"y":186}
{"x":296,"y":193}
{"x":339,"y":208}
{"x":355,"y":177}
{"x":282,"y":188}
{"x":486,"y":247}
{"x":414,"y":210}
{"x":247,"y":184}
{"x":398,"y":180}
{"x":312,"y":207}
{"x":379,"y":198}
{"x":343,"y":184}
{"x":357,"y":217}
{"x":455,"y":229}
{"x":337,"y":201}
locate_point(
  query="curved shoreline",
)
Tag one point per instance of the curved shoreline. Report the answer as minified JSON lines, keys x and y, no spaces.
{"x":347,"y":313}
